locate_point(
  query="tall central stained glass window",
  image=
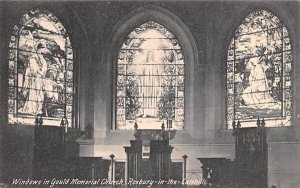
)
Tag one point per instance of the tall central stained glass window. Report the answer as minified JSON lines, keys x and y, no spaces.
{"x":259,"y":72}
{"x":150,"y":79}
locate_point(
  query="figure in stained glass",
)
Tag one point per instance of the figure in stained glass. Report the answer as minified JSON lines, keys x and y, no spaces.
{"x":33,"y":84}
{"x":149,"y":76}
{"x":150,"y":79}
{"x":41,"y":70}
{"x":258,"y":71}
{"x":257,"y":94}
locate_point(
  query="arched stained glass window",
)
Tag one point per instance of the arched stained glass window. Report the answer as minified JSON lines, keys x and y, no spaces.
{"x":259,"y":68}
{"x":40,"y":71}
{"x":150,"y":79}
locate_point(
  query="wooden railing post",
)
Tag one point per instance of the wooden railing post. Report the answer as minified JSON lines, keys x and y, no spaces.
{"x":184,"y":168}
{"x":112,"y":156}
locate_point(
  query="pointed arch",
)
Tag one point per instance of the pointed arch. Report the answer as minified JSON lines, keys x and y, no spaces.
{"x":40,"y":71}
{"x":174,"y":25}
{"x":259,"y":72}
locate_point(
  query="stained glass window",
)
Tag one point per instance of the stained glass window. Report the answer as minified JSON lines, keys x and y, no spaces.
{"x":150,"y":79}
{"x":259,"y":68}
{"x":40,"y":71}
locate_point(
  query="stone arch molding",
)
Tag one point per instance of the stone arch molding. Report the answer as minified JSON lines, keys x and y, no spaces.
{"x":174,"y":25}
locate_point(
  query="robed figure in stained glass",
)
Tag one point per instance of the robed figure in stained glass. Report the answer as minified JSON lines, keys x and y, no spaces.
{"x":257,"y":94}
{"x":33,"y":83}
{"x":150,"y":76}
{"x":150,"y":80}
{"x":40,"y":70}
{"x":259,"y":63}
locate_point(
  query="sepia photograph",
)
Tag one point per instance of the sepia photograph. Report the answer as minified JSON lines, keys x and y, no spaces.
{"x":162,"y":93}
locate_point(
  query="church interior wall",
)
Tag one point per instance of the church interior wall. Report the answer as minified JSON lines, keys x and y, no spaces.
{"x":211,"y":24}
